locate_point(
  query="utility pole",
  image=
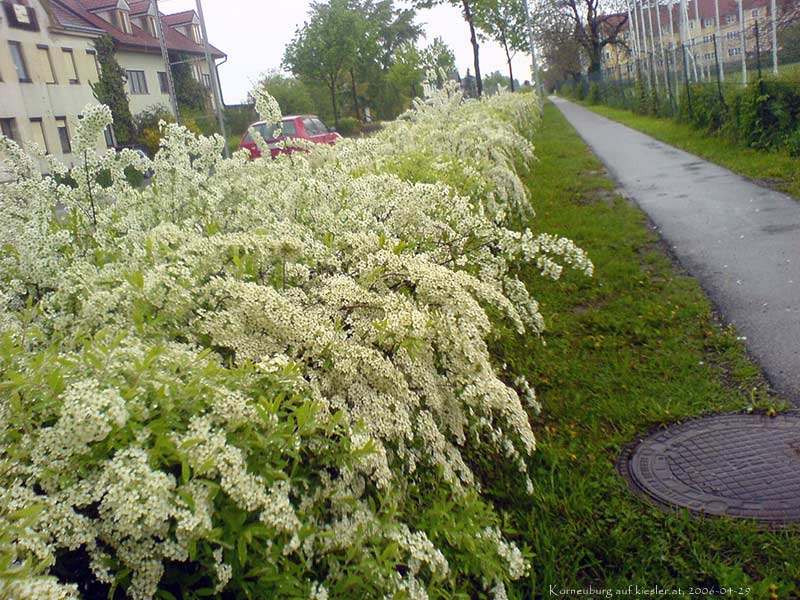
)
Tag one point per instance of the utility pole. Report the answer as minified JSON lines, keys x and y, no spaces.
{"x":165,"y":57}
{"x":774,"y":38}
{"x":742,"y":47}
{"x":718,"y":43}
{"x":212,"y":70}
{"x":529,"y":25}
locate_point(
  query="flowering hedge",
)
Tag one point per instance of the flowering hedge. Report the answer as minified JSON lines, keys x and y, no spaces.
{"x":268,"y":378}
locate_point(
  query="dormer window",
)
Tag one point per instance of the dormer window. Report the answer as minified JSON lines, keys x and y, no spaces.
{"x":150,"y":26}
{"x":20,"y":15}
{"x":121,"y":20}
{"x":193,"y":32}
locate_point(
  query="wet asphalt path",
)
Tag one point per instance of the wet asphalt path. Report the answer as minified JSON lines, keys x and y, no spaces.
{"x":742,"y":241}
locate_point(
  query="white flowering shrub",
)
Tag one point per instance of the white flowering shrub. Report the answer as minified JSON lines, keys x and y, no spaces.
{"x":268,"y":378}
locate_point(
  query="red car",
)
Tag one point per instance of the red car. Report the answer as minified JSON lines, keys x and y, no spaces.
{"x":307,"y":127}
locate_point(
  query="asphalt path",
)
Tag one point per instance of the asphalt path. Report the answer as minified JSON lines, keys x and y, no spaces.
{"x":741,"y":240}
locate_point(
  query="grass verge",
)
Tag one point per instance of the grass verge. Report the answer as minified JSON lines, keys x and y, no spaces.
{"x":777,"y":170}
{"x":635,"y":348}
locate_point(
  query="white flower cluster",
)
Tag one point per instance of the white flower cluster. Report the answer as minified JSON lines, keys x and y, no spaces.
{"x":329,"y":308}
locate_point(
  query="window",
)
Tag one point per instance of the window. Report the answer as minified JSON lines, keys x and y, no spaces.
{"x":196,"y":33}
{"x":734,"y":51}
{"x":69,"y":63}
{"x":708,"y":38}
{"x":754,"y":13}
{"x":21,"y":16}
{"x":691,"y":24}
{"x":63,"y":134}
{"x":150,"y":23}
{"x":137,"y":83}
{"x":321,"y":127}
{"x":708,"y":22}
{"x":163,"y":82}
{"x":37,"y":129}
{"x":121,"y":20}
{"x":311,"y":127}
{"x":732,"y":35}
{"x":93,"y":54}
{"x":709,"y":56}
{"x":108,"y":133}
{"x":8,"y":128}
{"x":207,"y":80}
{"x":19,"y":61}
{"x":730,"y":19}
{"x":47,"y":64}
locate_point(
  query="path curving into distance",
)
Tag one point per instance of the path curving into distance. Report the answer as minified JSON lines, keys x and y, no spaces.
{"x":741,"y":240}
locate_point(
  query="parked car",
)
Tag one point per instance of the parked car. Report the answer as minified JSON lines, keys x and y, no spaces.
{"x":307,"y":127}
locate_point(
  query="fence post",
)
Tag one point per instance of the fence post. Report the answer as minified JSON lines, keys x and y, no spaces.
{"x":686,"y":81}
{"x":758,"y":51}
{"x":719,"y":72}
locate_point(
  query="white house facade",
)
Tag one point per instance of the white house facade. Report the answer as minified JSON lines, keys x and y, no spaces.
{"x":48,"y":62}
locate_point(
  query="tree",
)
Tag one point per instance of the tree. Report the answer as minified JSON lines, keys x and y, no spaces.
{"x":592,"y":25}
{"x":325,"y":48}
{"x":496,"y":81}
{"x":466,"y":11}
{"x":110,"y":89}
{"x":388,"y":35}
{"x":503,"y":21}
{"x":561,"y":51}
{"x":190,"y":93}
{"x":292,"y":95}
{"x":439,"y":58}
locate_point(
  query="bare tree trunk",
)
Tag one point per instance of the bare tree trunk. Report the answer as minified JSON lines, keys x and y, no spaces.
{"x":508,"y":60}
{"x":355,"y":94}
{"x":332,"y":87}
{"x":474,"y":41}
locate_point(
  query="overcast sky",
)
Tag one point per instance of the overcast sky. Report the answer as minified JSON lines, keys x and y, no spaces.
{"x":253,"y":33}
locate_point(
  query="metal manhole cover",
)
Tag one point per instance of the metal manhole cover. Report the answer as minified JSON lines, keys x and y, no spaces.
{"x":737,"y":465}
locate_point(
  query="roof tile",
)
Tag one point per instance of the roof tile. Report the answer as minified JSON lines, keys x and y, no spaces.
{"x":76,"y":12}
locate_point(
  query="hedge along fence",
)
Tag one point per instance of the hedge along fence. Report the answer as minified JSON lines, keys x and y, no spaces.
{"x":268,"y":378}
{"x":764,"y":115}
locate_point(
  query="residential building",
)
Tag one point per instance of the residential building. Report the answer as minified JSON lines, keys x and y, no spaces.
{"x":133,"y":27}
{"x":48,"y":63}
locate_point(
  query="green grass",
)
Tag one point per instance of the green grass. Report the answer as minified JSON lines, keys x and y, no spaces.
{"x":632,"y":349}
{"x":775,"y":169}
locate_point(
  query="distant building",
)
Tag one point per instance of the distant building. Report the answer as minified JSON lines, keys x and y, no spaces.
{"x":48,"y":61}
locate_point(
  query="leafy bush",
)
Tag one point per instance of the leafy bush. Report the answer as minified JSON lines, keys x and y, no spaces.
{"x":239,"y":118}
{"x":146,"y":127}
{"x":269,"y":378}
{"x":348,"y":126}
{"x":594,"y":93}
{"x":793,"y":142}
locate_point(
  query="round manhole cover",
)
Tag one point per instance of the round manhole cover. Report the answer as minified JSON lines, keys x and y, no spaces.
{"x":737,"y":465}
